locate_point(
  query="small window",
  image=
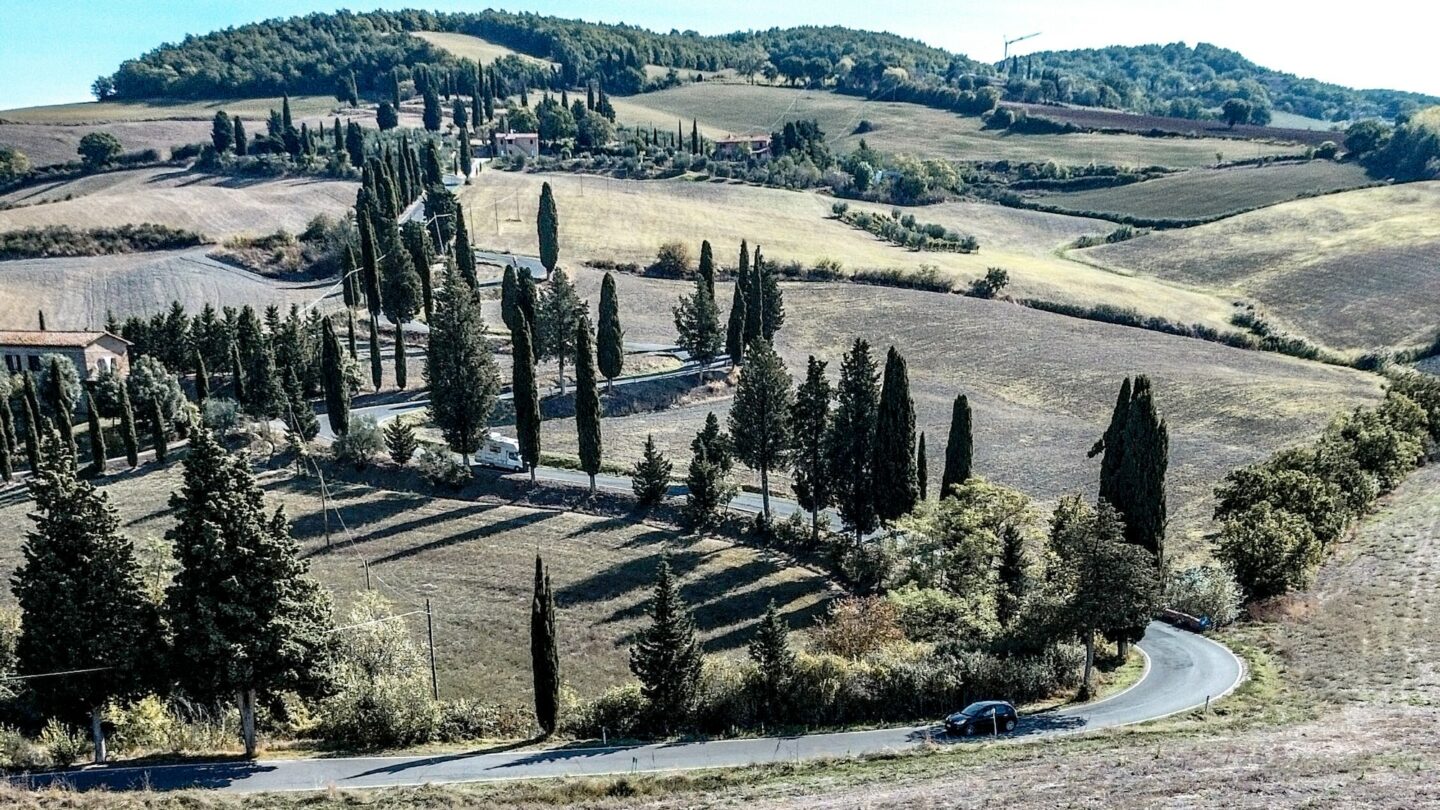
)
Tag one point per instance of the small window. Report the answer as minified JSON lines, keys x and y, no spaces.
{"x":34,"y":363}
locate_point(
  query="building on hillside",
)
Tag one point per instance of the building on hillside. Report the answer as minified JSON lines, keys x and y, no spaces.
{"x":504,"y":144}
{"x":737,"y":147}
{"x":91,"y":352}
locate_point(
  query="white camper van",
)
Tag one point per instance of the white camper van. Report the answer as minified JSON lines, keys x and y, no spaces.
{"x":499,"y":451}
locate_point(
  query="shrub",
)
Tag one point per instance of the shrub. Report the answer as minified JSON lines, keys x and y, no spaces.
{"x":54,"y":241}
{"x":995,"y":280}
{"x":382,"y":695}
{"x":471,"y":720}
{"x":671,"y":261}
{"x":361,"y":444}
{"x":220,"y":414}
{"x":1204,"y":591}
{"x":18,"y":754}
{"x":1270,"y":550}
{"x":187,"y":151}
{"x":858,"y":625}
{"x":442,"y":468}
{"x":65,"y":744}
{"x":618,"y":712}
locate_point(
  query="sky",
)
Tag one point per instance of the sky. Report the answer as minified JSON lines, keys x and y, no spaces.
{"x":51,"y":50}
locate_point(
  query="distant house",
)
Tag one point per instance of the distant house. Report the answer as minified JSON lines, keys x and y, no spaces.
{"x":504,"y":144}
{"x":91,"y":352}
{"x":734,"y":147}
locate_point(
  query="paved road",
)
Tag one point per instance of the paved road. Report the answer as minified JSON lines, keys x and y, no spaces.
{"x":1184,"y":671}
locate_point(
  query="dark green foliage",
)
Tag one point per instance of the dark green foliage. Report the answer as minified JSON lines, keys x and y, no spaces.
{"x":716,"y":444}
{"x":559,"y":318}
{"x":159,"y":431}
{"x":30,"y":403}
{"x":98,"y":150}
{"x":510,"y":298}
{"x":774,"y":661}
{"x":460,"y":368}
{"x":893,"y":467}
{"x":922,"y":473}
{"x":237,"y":374}
{"x":666,"y":655}
{"x":959,"y":449}
{"x":400,"y":289}
{"x":754,"y":304}
{"x":760,"y":415}
{"x":651,"y":476}
{"x":527,"y":397}
{"x":202,"y":380}
{"x":431,"y":114}
{"x":377,"y":368}
{"x":527,"y":298}
{"x":809,"y":423}
{"x":241,"y":143}
{"x":386,"y":117}
{"x":400,"y":442}
{"x":79,"y":590}
{"x":57,"y":395}
{"x":697,"y":325}
{"x":1132,"y":470}
{"x":369,"y":260}
{"x":544,"y":651}
{"x":464,"y":254}
{"x":222,"y":132}
{"x":434,"y":175}
{"x":587,"y":402}
{"x":707,"y":265}
{"x":1011,"y":575}
{"x":547,"y":226}
{"x":54,"y":241}
{"x":851,"y":439}
{"x":707,"y":490}
{"x":97,"y":436}
{"x":355,"y":143}
{"x":332,"y":376}
{"x":299,"y":415}
{"x":421,"y":257}
{"x":771,"y":300}
{"x":609,"y":337}
{"x":127,"y":429}
{"x":735,"y":327}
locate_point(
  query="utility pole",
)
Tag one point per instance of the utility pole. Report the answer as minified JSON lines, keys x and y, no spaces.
{"x":430,"y":633}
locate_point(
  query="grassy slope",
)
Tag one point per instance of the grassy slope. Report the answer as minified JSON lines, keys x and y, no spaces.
{"x":628,"y":220}
{"x":1212,"y":193}
{"x":1352,"y":270}
{"x":101,"y":112}
{"x":474,"y":48}
{"x":475,"y":561}
{"x":1041,"y":386}
{"x":909,"y":128}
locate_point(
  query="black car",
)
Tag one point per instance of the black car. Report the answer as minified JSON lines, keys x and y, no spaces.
{"x":985,"y":717}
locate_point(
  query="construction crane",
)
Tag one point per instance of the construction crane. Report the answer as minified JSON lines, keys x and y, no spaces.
{"x":1010,"y":42}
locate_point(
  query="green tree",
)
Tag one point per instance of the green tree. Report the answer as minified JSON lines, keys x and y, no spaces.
{"x":769,"y":296}
{"x":707,"y":266}
{"x":697,"y":326}
{"x":460,"y":368}
{"x":754,"y":304}
{"x":922,"y":471}
{"x":97,"y":436}
{"x":1136,"y":448}
{"x":79,"y":590}
{"x":464,"y":254}
{"x":127,"y":429}
{"x":893,"y":467}
{"x":851,"y":438}
{"x":299,"y":415}
{"x":400,"y":442}
{"x":1235,"y":111}
{"x":666,"y":655}
{"x":58,"y":395}
{"x":547,"y":226}
{"x":651,"y":477}
{"x":431,"y":114}
{"x":247,"y":618}
{"x":1270,"y":551}
{"x":241,"y":143}
{"x":377,"y":368}
{"x":707,"y":489}
{"x":30,"y":406}
{"x":332,"y":375}
{"x":510,"y":298}
{"x":735,"y":327}
{"x":98,"y":150}
{"x":760,"y":416}
{"x":222,"y":132}
{"x":610,"y":338}
{"x":809,"y":422}
{"x":412,"y":233}
{"x":559,"y":318}
{"x":1012,"y":576}
{"x":159,"y":430}
{"x":369,"y":262}
{"x":526,"y":396}
{"x":587,"y":402}
{"x":202,"y":380}
{"x":355,"y":143}
{"x":958,"y":449}
{"x":774,"y":663}
{"x":544,"y":651}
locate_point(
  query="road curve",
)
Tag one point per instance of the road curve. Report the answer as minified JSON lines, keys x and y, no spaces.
{"x":1184,"y":672}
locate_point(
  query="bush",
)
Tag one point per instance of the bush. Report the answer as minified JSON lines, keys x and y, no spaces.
{"x":443,"y":468}
{"x":18,"y":754}
{"x":1271,"y":551}
{"x":361,"y":444}
{"x":1206,"y":592}
{"x":617,"y":713}
{"x":995,"y":280}
{"x":66,"y":745}
{"x":187,"y":151}
{"x":54,"y":241}
{"x":858,"y":625}
{"x":470,"y":720}
{"x":382,"y":695}
{"x":220,"y":414}
{"x":671,"y":261}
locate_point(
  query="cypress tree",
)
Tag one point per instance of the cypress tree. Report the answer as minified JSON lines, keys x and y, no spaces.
{"x":587,"y":402}
{"x":97,"y":436}
{"x":760,"y":416}
{"x":697,"y":326}
{"x":242,"y":595}
{"x":809,"y":421}
{"x":544,"y":651}
{"x":80,"y":593}
{"x":61,"y":406}
{"x":958,"y":449}
{"x":412,"y":233}
{"x":754,"y":305}
{"x":332,"y":377}
{"x":7,"y":416}
{"x":510,"y":298}
{"x":460,"y":368}
{"x":651,"y":477}
{"x":610,"y":338}
{"x":774,"y":661}
{"x":241,"y":144}
{"x":127,"y":429}
{"x":7,"y":464}
{"x":355,"y":143}
{"x":299,"y":415}
{"x":202,"y":380}
{"x":851,"y":438}
{"x":922,"y":472}
{"x":896,"y":490}
{"x":560,"y":313}
{"x":159,"y":432}
{"x":433,"y":175}
{"x":464,"y":254}
{"x":1112,"y":443}
{"x":1011,"y":574}
{"x":694,"y":137}
{"x":350,"y":336}
{"x":526,"y":397}
{"x":735,"y":329}
{"x":547,"y":225}
{"x":770,"y":297}
{"x":222,"y":132}
{"x":431,"y":115}
{"x":666,"y":655}
{"x":528,"y":300}
{"x":377,"y":369}
{"x":1147,"y":458}
{"x":237,"y":375}
{"x":707,"y":265}
{"x":31,"y":408}
{"x":369,"y":265}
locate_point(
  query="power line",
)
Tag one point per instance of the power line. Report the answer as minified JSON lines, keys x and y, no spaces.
{"x":53,"y":674}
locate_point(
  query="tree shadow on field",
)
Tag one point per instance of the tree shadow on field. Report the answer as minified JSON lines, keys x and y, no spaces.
{"x":358,"y":517}
{"x":490,"y":530}
{"x":625,"y":577}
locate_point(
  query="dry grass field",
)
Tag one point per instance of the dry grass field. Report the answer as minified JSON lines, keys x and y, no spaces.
{"x":106,"y":112}
{"x":1041,"y":386}
{"x":910,"y":128}
{"x":475,"y":562}
{"x":218,"y":207}
{"x":1214,"y":193}
{"x":474,"y":48}
{"x":1354,"y":270}
{"x":626,"y":221}
{"x":57,"y":143}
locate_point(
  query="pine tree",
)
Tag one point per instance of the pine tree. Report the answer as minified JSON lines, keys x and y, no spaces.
{"x":332,"y":376}
{"x":610,"y":338}
{"x":30,"y":404}
{"x":61,"y":405}
{"x":377,"y":369}
{"x":958,"y":449}
{"x":510,"y":298}
{"x":560,"y":312}
{"x":707,"y":490}
{"x":760,"y":416}
{"x":896,"y":489}
{"x":773,"y":301}
{"x":526,"y":396}
{"x":697,"y":326}
{"x":547,"y":226}
{"x":246,"y":616}
{"x":774,"y":662}
{"x":460,"y":368}
{"x":651,"y":477}
{"x":127,"y":429}
{"x":809,"y":421}
{"x":544,"y":651}
{"x":666,"y":655}
{"x":159,"y":431}
{"x":237,"y":375}
{"x":716,"y":444}
{"x":83,"y":607}
{"x":851,"y":439}
{"x":587,"y":402}
{"x":735,"y":329}
{"x":202,"y":380}
{"x":97,"y":436}
{"x":400,"y":442}
{"x":707,"y":266}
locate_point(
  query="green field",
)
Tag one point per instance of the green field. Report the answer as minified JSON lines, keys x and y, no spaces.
{"x":910,"y":128}
{"x":1203,"y":194}
{"x":1354,"y":271}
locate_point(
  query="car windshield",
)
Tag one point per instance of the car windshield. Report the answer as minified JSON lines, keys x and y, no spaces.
{"x":974,"y":709}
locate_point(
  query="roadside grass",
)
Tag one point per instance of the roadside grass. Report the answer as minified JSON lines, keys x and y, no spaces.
{"x":911,"y":129}
{"x":1352,"y":271}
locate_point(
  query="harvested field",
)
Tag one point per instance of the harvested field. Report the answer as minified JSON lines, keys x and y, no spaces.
{"x":474,"y":48}
{"x":1353,"y":271}
{"x":57,"y":143}
{"x":218,"y":207}
{"x":912,"y":129}
{"x":101,"y":112}
{"x":1097,"y":118}
{"x":1206,"y":194}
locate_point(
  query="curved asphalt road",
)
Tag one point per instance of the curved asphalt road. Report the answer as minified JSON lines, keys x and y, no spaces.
{"x":1184,"y":672}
